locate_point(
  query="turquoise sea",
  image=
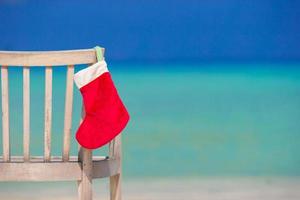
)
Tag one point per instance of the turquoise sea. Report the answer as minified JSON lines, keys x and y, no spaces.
{"x":187,"y":120}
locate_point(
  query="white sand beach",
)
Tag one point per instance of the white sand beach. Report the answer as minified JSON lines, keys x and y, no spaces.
{"x":225,"y":188}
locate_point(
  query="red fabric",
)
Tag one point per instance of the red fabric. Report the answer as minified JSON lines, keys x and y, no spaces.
{"x":105,"y":114}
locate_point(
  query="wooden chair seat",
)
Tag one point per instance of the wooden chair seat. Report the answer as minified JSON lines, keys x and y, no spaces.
{"x":57,"y":170}
{"x":37,"y":159}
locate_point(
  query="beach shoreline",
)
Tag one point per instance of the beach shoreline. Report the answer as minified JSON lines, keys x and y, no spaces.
{"x":208,"y":188}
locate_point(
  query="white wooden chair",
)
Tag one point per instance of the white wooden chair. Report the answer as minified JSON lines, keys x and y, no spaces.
{"x":82,"y":168}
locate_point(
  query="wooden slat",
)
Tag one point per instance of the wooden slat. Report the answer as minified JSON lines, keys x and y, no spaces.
{"x":20,"y":159}
{"x":48,"y":113}
{"x":45,"y":58}
{"x":56,"y":171}
{"x":100,"y":170}
{"x":80,"y":183}
{"x":85,"y":191}
{"x":68,"y":112}
{"x":5,"y":113}
{"x":28,"y":171}
{"x":80,"y":121}
{"x":26,"y":112}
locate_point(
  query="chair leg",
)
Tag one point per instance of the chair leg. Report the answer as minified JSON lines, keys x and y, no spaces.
{"x":115,"y":187}
{"x":79,"y":189}
{"x":85,"y":184}
{"x":115,"y":151}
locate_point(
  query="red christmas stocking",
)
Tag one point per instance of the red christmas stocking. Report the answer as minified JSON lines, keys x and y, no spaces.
{"x":105,"y":114}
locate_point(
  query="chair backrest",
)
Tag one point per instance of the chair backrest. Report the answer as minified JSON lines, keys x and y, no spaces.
{"x":47,"y":59}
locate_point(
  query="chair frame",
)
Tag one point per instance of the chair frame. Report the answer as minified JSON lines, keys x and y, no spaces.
{"x":82,"y":168}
